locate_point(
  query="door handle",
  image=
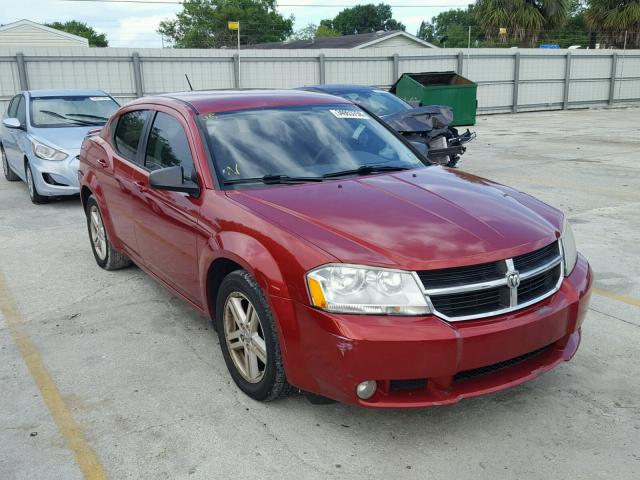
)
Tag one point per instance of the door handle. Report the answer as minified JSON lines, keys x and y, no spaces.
{"x":103,"y":163}
{"x":142,"y":187}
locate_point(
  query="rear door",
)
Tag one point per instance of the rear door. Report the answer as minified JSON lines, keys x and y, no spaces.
{"x":166,"y":222}
{"x":117,"y":176}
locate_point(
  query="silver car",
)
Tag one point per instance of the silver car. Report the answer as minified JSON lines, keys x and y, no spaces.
{"x":41,"y":134}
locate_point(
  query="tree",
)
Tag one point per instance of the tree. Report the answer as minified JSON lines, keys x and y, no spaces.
{"x":312,"y":31}
{"x":203,"y":23}
{"x":617,"y":19}
{"x":452,"y":25}
{"x":364,"y":19}
{"x":82,"y":30}
{"x":523,"y":19}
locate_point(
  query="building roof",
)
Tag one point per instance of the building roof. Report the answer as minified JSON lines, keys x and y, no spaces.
{"x":360,"y":40}
{"x":26,"y":22}
{"x":226,"y":100}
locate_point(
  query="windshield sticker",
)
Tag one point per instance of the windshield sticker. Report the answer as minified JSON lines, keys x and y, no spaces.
{"x":350,"y":114}
{"x":99,"y":99}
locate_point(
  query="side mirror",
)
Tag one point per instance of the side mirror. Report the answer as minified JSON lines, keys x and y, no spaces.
{"x":171,"y":178}
{"x":11,"y":123}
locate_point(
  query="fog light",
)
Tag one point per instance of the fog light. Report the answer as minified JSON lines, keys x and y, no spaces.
{"x":365,"y":390}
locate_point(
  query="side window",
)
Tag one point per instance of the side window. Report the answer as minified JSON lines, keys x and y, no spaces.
{"x":128,"y":133}
{"x":21,"y":112}
{"x":13,"y":106}
{"x":168,"y":146}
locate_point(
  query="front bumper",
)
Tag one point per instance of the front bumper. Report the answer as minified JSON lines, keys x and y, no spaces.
{"x":330,"y":354}
{"x":56,"y":178}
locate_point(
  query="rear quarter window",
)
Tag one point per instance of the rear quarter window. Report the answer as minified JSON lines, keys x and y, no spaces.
{"x":128,"y":132}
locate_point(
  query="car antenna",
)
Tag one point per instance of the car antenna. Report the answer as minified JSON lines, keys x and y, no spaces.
{"x":188,"y":81}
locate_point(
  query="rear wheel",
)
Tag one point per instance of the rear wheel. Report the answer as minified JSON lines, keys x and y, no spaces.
{"x":106,"y":256}
{"x":248,"y":338}
{"x":31,"y":186}
{"x":8,"y":173}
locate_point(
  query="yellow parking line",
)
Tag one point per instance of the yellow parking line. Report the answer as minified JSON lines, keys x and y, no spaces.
{"x":616,"y":296}
{"x":70,"y":430}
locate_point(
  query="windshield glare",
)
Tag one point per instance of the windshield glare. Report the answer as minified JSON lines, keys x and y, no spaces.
{"x":71,"y":111}
{"x":309,"y":141}
{"x":379,"y":102}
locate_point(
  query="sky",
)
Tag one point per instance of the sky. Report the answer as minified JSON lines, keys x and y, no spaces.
{"x":134,"y":24}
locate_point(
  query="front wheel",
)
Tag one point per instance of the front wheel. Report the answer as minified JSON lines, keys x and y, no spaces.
{"x":8,"y":173}
{"x":248,"y":338}
{"x":106,"y":256}
{"x":35,"y":197}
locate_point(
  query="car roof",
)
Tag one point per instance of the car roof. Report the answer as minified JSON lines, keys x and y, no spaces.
{"x":342,"y":88}
{"x":66,"y":92}
{"x":225,"y":100}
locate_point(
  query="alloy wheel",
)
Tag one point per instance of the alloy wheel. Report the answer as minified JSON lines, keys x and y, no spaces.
{"x":98,"y":235}
{"x":245,"y":337}
{"x":5,"y":165}
{"x":30,"y":185}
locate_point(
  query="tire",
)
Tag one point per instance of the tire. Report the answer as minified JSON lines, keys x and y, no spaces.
{"x":106,"y":256}
{"x":242,"y":348}
{"x":35,"y":197}
{"x":8,"y":173}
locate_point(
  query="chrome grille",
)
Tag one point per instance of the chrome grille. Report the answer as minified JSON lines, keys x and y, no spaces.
{"x":477,"y":291}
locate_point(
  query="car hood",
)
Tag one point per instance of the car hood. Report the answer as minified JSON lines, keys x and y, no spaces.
{"x":421,"y":119}
{"x":66,"y":138}
{"x":417,"y":219}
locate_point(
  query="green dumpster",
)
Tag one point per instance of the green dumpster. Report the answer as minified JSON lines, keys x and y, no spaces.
{"x":440,"y":88}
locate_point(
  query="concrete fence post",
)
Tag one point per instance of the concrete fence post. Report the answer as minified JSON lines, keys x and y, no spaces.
{"x":460,"y":62}
{"x":322,"y":71}
{"x":236,"y":71}
{"x":396,"y":67}
{"x":516,"y":81}
{"x":614,"y":72}
{"x":567,"y":82}
{"x":137,"y":74}
{"x":22,"y":72}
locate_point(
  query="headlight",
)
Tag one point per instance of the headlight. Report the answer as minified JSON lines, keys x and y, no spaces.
{"x":46,"y":152}
{"x":368,"y":290}
{"x":569,"y":251}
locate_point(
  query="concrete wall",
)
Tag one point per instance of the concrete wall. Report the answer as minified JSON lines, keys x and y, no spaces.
{"x":32,"y":36}
{"x":508,"y":79}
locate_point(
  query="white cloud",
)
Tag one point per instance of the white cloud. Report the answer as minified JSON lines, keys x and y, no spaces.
{"x":135,"y":25}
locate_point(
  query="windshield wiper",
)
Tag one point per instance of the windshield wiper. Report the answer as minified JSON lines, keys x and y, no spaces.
{"x":366,"y":170}
{"x":75,"y":121}
{"x":86,"y":115}
{"x":272,"y":179}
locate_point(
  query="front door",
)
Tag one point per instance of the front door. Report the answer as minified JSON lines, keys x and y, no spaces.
{"x":166,"y":222}
{"x":15,"y":136}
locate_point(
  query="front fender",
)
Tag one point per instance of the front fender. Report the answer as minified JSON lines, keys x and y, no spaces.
{"x":247,"y":252}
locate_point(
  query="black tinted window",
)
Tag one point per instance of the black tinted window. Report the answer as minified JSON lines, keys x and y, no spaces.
{"x":128,"y":132}
{"x":13,"y":107}
{"x":168,"y":145}
{"x":21,"y":113}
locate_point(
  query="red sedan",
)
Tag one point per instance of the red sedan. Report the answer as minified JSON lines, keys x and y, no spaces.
{"x":328,"y":252}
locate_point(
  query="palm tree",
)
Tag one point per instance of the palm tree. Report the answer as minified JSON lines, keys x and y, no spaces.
{"x":524,"y":19}
{"x":617,"y":18}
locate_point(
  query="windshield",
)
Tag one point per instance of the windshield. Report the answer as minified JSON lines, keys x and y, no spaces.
{"x":308,"y":141}
{"x":379,"y":102}
{"x":71,"y":111}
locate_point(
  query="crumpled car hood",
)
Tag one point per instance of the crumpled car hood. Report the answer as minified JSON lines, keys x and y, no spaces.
{"x":422,"y":119}
{"x":417,"y":219}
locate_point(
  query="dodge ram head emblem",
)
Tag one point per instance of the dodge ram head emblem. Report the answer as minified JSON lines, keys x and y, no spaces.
{"x":513,"y":279}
